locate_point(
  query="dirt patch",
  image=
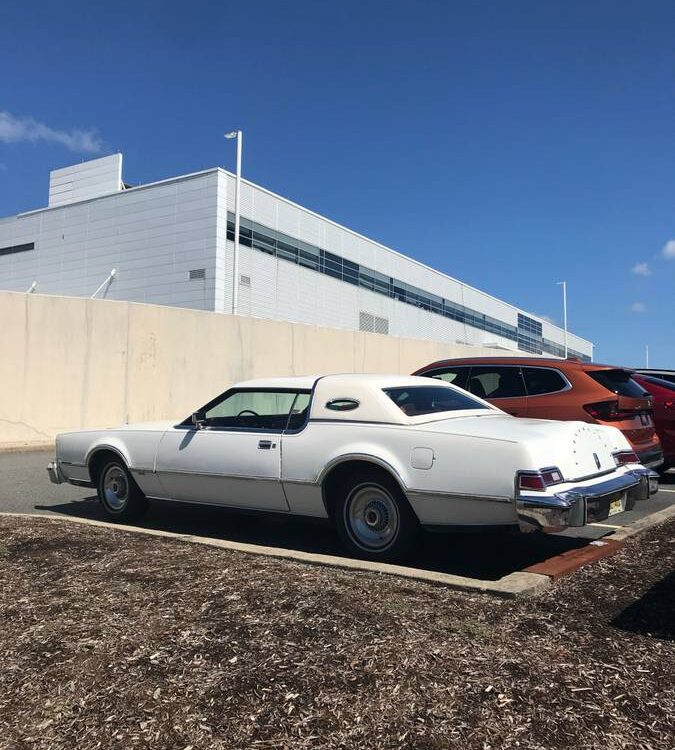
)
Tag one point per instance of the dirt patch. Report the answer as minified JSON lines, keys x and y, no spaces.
{"x":111,"y":640}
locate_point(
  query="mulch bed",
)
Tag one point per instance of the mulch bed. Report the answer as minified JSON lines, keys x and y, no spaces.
{"x":117,"y":640}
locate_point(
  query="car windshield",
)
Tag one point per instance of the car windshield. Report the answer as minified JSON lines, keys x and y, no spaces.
{"x":430,"y":399}
{"x":619,"y":382}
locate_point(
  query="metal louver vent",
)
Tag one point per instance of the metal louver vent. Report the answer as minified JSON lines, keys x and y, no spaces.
{"x":197,"y":273}
{"x":372,"y":323}
{"x":245,"y":280}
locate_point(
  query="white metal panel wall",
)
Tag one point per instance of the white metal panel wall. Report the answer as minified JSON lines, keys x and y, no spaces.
{"x":153,"y":236}
{"x":269,"y":296}
{"x":84,"y":181}
{"x":283,"y":290}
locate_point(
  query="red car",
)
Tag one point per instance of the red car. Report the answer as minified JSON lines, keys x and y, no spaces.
{"x":663,"y":392}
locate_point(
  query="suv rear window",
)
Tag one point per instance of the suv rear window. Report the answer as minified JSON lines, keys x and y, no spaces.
{"x":430,"y":399}
{"x":619,"y":382}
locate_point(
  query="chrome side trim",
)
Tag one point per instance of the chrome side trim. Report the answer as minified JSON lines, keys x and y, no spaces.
{"x":214,"y":475}
{"x":104,"y":447}
{"x":441,"y":494}
{"x":369,"y":458}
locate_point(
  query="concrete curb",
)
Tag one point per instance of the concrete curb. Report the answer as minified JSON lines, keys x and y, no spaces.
{"x":514,"y":585}
{"x":643,"y":524}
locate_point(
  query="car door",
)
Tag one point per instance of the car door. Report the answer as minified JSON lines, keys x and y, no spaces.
{"x":501,"y":385}
{"x":233,"y":457}
{"x":542,"y":385}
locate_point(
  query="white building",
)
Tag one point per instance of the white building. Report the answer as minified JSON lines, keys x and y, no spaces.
{"x":171,"y":243}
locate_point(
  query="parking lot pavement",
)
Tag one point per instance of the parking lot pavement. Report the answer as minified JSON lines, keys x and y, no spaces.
{"x":25,"y":488}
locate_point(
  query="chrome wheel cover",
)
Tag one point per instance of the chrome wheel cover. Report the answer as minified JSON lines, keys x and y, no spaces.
{"x":115,"y":488}
{"x":372,"y":517}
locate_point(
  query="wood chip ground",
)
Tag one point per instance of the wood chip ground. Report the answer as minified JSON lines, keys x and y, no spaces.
{"x":116,"y":640}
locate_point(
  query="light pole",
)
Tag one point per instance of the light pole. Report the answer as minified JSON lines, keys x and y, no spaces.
{"x":647,"y":356}
{"x":564,"y":286}
{"x":237,"y":188}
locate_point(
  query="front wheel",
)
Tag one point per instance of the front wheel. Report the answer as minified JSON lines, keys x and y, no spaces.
{"x":120,"y":496}
{"x":374,"y":519}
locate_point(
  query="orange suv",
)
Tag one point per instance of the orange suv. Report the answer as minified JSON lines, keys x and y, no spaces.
{"x":560,"y":389}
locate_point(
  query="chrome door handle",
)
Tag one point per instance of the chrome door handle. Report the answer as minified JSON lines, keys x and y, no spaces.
{"x":266,"y":445}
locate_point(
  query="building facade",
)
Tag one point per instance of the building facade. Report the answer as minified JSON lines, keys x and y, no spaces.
{"x":171,"y":243}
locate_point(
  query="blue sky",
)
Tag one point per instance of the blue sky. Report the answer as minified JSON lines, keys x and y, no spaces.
{"x":509,"y":144}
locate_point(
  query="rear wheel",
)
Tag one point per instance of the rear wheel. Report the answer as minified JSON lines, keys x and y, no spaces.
{"x":119,"y":494}
{"x":373,"y":517}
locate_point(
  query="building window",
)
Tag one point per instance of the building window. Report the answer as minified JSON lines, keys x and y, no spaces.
{"x":527,"y":334}
{"x":197,"y":273}
{"x":17,"y":248}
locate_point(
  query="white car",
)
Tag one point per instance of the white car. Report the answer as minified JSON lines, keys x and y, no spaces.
{"x":378,"y":455}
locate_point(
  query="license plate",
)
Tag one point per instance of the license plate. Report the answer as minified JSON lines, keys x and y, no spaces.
{"x":616,"y":506}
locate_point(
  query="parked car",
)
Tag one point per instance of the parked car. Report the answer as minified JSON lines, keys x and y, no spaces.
{"x":662,"y":374}
{"x":663,"y":393}
{"x":378,"y":455}
{"x":560,"y":389}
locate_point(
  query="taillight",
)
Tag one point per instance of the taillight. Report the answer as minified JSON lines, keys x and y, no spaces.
{"x":625,"y":457}
{"x":669,"y":404}
{"x":538,"y":481}
{"x":551,"y":476}
{"x":609,"y":410}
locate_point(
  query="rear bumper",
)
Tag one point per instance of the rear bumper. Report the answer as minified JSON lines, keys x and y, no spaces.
{"x":651,"y":458}
{"x":581,"y":505}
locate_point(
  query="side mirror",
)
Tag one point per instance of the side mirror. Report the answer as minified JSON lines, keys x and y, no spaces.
{"x":198,"y":419}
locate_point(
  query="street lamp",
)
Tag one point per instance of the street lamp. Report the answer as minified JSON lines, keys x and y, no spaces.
{"x":564,"y":286}
{"x":235,"y":257}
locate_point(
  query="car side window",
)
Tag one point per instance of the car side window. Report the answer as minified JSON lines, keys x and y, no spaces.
{"x":458,"y":376}
{"x":540,"y":380}
{"x":299,"y":411}
{"x":496,"y":382}
{"x":254,"y":410}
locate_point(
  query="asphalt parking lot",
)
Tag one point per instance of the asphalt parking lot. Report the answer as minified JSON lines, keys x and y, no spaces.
{"x":25,"y":488}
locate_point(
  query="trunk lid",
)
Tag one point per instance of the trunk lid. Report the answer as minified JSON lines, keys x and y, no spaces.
{"x":578,"y":449}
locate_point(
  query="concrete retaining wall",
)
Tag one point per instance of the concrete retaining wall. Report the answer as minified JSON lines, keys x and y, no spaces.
{"x":69,"y":363}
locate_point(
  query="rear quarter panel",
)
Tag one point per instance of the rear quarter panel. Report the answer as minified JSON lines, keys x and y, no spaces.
{"x":464,"y":468}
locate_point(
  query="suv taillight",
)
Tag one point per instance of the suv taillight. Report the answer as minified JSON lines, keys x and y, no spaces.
{"x":608,"y":410}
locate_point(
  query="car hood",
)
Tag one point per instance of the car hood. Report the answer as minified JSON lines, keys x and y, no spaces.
{"x":578,"y":449}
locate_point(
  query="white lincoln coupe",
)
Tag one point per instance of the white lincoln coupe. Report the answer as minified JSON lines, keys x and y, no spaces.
{"x":378,"y":455}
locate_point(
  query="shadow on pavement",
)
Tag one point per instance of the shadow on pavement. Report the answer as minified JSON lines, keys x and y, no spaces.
{"x":654,"y":613}
{"x":483,"y":555}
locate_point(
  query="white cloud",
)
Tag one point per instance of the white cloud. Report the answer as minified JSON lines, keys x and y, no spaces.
{"x":638,"y":307}
{"x":19,"y":129}
{"x":642,"y":269}
{"x":668,"y":251}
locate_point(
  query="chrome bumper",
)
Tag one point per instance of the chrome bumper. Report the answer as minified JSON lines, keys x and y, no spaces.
{"x":581,"y":505}
{"x":54,"y":472}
